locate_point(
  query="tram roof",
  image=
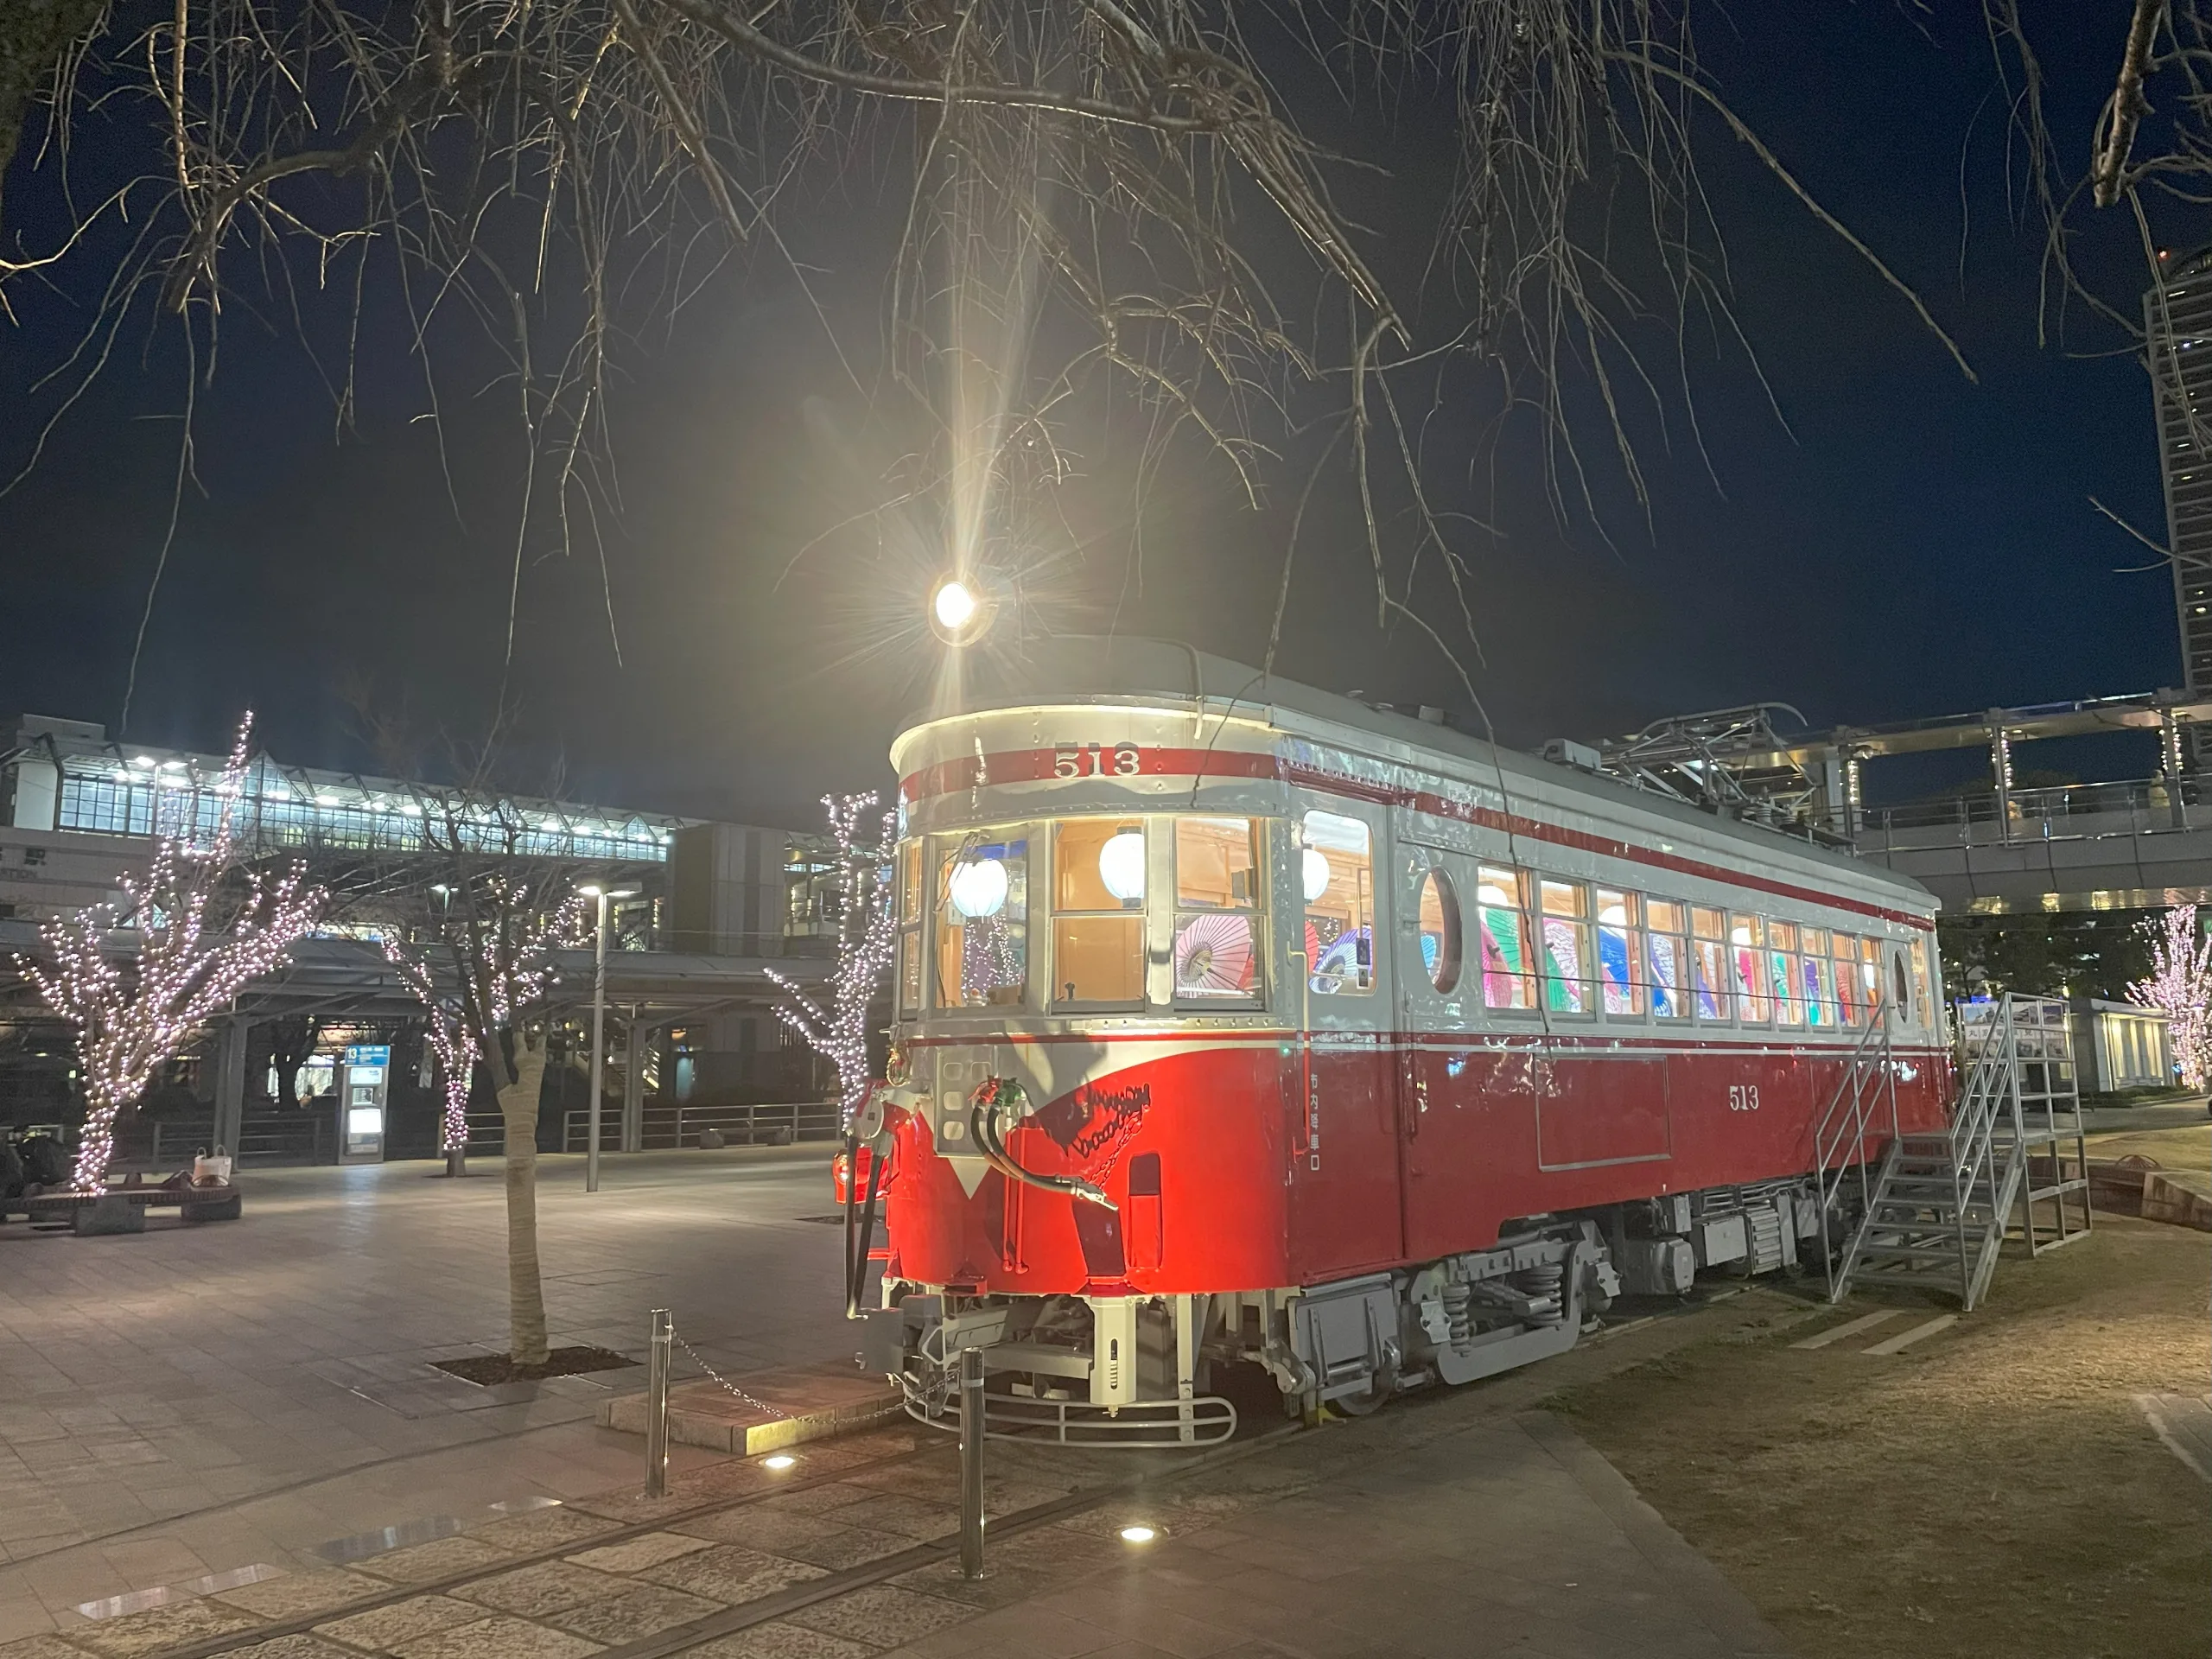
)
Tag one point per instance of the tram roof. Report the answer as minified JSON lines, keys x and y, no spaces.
{"x":1078,"y":668}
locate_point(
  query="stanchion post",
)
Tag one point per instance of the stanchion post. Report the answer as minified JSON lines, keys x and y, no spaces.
{"x":971,"y":1462}
{"x":657,"y":1404}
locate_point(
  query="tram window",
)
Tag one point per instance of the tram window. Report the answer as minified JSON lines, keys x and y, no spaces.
{"x":1216,"y":864}
{"x":910,"y":883}
{"x":1709,"y":961}
{"x":910,"y":926}
{"x":1507,"y":983}
{"x":1667,"y":954}
{"x":1098,"y":912}
{"x":1850,"y":1002}
{"x":1926,"y":991}
{"x":982,"y":923}
{"x":910,"y":971}
{"x":1336,"y":874}
{"x":1782,"y":973}
{"x":1815,"y":978}
{"x":1869,"y":971}
{"x":1217,"y":910}
{"x":1746,"y":941}
{"x":1566,"y":946}
{"x":1620,"y":984}
{"x":1098,"y":864}
{"x":1439,"y":932}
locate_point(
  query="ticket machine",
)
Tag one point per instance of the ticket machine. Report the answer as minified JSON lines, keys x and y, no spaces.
{"x":364,"y":1084}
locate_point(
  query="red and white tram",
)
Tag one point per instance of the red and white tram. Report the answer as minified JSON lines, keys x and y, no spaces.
{"x":1240,"y":1021}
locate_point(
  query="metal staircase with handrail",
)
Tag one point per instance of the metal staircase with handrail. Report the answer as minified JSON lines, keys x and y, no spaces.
{"x":1866,"y":1097}
{"x":1935,"y":1212}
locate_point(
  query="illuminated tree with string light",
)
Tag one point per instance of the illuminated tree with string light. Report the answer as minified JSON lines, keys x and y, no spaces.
{"x":865,"y":934}
{"x":2180,"y":986}
{"x":450,"y":1039}
{"x":205,"y":927}
{"x":501,"y":925}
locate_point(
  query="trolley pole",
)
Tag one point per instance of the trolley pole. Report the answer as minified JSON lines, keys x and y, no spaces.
{"x":657,"y":1404}
{"x":971,"y":1462}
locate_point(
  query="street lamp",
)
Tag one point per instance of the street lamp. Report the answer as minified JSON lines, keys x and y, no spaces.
{"x":602,"y":893}
{"x":962,"y":608}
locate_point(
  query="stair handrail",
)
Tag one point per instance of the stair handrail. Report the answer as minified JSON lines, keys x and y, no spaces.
{"x":1852,"y":1111}
{"x":1992,"y":1090}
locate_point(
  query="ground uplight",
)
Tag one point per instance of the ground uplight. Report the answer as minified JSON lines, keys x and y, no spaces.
{"x":781,"y":1460}
{"x":1138,"y":1534}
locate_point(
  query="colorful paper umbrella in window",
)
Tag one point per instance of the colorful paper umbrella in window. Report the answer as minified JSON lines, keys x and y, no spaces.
{"x":1344,"y":958}
{"x":1213,"y":954}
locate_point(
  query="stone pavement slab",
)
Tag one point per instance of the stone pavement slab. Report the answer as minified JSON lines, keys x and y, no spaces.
{"x":778,"y":1408}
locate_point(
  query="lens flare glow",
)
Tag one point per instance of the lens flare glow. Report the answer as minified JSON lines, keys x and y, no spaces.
{"x":954,"y":606}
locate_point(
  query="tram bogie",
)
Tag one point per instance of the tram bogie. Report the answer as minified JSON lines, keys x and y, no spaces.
{"x":1238,"y":1024}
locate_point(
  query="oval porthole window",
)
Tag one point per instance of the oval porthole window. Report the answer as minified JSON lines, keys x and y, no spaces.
{"x":1439,"y":932}
{"x":1904,"y":985}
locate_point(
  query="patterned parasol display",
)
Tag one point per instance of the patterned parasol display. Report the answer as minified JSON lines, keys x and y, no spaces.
{"x":1214,"y":954}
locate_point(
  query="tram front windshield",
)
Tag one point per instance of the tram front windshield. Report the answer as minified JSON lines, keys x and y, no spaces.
{"x":1111,"y":893}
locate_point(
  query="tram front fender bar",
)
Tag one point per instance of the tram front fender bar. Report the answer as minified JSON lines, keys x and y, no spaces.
{"x":986,"y":1107}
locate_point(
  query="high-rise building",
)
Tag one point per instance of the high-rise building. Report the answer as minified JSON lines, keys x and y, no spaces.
{"x":2177,"y":325}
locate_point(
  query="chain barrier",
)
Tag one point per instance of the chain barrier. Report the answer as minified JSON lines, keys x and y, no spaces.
{"x":759,"y":1406}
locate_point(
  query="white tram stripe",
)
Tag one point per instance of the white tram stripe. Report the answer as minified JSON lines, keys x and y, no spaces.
{"x":1850,"y":1328}
{"x":1904,"y":1339}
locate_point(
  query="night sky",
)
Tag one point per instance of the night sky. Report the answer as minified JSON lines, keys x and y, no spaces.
{"x":1910,"y":543}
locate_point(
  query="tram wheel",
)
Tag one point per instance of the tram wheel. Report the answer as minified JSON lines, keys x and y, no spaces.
{"x":1380,"y":1387}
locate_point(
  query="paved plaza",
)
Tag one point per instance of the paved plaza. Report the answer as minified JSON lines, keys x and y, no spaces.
{"x":213,"y":1425}
{"x":182,"y":1399}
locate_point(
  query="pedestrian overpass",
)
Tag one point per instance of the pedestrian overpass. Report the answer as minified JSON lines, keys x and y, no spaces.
{"x":1995,"y":848}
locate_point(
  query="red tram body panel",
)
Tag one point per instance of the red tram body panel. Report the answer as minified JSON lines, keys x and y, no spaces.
{"x":1234,"y":1019}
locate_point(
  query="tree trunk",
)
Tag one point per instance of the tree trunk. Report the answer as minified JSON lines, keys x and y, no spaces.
{"x":518,"y":1118}
{"x":96,"y":1142}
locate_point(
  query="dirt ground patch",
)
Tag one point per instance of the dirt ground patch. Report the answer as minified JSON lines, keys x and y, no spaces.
{"x":1993,"y":1490}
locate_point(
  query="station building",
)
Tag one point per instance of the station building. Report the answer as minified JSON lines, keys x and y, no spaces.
{"x":713,"y":903}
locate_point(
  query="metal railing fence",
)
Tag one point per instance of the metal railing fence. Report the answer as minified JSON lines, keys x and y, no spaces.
{"x":667,"y":1127}
{"x":2143,"y":806}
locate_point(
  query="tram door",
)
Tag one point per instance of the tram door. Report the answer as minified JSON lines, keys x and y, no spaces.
{"x":1344,"y":1179}
{"x":1439,"y":1100}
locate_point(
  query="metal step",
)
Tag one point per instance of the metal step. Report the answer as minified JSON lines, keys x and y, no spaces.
{"x":1947,"y":1251}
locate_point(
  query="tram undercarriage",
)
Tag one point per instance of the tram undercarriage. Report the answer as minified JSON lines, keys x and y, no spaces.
{"x":1139,"y":1370}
